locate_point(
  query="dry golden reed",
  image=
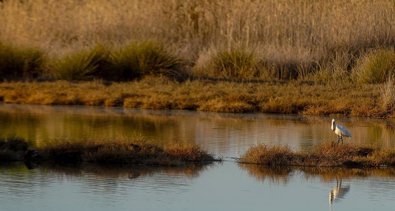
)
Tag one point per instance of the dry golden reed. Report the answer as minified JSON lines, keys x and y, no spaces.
{"x":119,"y":152}
{"x":324,"y":155}
{"x":162,"y":93}
{"x":288,"y":34}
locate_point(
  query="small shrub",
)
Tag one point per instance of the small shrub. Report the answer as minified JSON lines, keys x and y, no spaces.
{"x":18,"y":63}
{"x":146,"y":58}
{"x":81,"y":65}
{"x":375,"y":67}
{"x":233,"y":64}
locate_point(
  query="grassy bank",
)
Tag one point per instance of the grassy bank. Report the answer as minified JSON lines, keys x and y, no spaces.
{"x":294,"y":57}
{"x":123,"y":153}
{"x":324,"y":155}
{"x":296,"y":97}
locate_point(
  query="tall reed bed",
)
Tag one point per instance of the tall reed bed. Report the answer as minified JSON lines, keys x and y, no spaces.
{"x":293,"y":39}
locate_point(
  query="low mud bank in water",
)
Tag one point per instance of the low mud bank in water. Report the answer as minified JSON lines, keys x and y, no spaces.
{"x":327,"y":154}
{"x":16,"y":149}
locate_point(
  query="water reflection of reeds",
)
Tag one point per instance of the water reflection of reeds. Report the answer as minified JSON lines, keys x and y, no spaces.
{"x":284,"y":174}
{"x":222,"y":134}
{"x":130,"y":172}
{"x":19,"y":181}
{"x":277,"y":175}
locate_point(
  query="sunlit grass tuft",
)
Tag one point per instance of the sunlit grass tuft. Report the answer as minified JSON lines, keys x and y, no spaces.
{"x":388,"y":94}
{"x":163,"y":93}
{"x":80,"y":65}
{"x":190,"y":153}
{"x":146,"y":58}
{"x":237,"y":63}
{"x":269,"y":156}
{"x":375,"y":67}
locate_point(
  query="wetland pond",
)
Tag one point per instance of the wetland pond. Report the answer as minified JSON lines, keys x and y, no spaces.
{"x":220,"y":186}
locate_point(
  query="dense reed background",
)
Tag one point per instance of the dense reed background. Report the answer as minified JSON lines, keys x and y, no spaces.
{"x":334,"y":46}
{"x":291,"y":38}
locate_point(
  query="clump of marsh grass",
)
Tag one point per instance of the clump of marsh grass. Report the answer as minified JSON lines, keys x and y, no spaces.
{"x":330,"y":154}
{"x":269,"y":155}
{"x":121,"y":152}
{"x":384,"y":157}
{"x":236,"y":63}
{"x":80,"y":65}
{"x":325,"y":154}
{"x":18,"y":63}
{"x":146,"y":58}
{"x":375,"y":67}
{"x":64,"y":153}
{"x":124,"y":153}
{"x":124,"y":63}
{"x":12,"y":149}
{"x":388,"y":95}
{"x":191,"y":153}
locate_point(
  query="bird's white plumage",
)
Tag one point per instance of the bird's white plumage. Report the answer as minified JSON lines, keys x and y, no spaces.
{"x":340,"y":130}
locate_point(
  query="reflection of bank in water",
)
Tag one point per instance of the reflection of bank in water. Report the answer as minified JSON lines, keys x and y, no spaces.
{"x":283,"y":174}
{"x":223,"y":134}
{"x":343,"y":176}
{"x":338,"y":192}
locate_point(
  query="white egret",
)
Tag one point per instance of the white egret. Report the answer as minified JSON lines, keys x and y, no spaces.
{"x":340,"y":131}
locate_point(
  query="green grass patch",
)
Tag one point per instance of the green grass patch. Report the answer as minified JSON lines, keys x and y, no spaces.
{"x":20,"y":63}
{"x":80,"y":65}
{"x":375,"y":67}
{"x":146,"y":58}
{"x":124,"y":63}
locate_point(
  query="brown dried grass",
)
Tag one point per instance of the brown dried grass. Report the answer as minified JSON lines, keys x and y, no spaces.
{"x":324,"y":155}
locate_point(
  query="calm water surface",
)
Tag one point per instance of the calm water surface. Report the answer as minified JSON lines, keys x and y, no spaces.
{"x":223,"y":186}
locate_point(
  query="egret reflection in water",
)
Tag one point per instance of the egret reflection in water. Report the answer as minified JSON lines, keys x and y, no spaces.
{"x":338,"y":192}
